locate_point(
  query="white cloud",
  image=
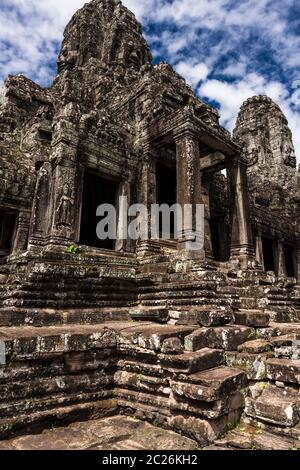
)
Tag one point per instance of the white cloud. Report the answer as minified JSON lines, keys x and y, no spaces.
{"x":230,"y":96}
{"x":235,"y":69}
{"x":192,"y":72}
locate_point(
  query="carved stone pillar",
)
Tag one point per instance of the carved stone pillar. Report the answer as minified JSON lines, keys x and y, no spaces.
{"x":40,"y":223}
{"x":22,"y":231}
{"x":297,"y":265}
{"x":66,"y":191}
{"x":189,"y":190}
{"x":241,"y":238}
{"x":206,"y":182}
{"x":123,"y":243}
{"x":259,"y":256}
{"x":280,"y":259}
{"x":147,"y":195}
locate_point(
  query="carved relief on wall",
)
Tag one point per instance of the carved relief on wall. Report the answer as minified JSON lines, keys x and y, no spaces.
{"x":65,"y":208}
{"x":288,"y":153}
{"x":40,"y":219}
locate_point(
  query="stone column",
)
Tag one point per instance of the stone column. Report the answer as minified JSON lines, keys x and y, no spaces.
{"x":241,"y":237}
{"x":280,"y":266}
{"x":123,"y":243}
{"x":297,"y":265}
{"x":39,"y":223}
{"x":22,"y":231}
{"x":206,"y":182}
{"x":147,"y":195}
{"x":189,"y":190}
{"x":66,"y":186}
{"x":259,"y":250}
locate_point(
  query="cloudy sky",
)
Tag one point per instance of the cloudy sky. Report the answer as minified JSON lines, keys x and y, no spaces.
{"x":227,"y":50}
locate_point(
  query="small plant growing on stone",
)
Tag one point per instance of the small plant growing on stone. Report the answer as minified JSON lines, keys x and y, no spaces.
{"x":72,"y":249}
{"x":264,"y":385}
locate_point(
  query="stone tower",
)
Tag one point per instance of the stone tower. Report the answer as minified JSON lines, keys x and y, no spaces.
{"x":262,"y":129}
{"x":103,"y":45}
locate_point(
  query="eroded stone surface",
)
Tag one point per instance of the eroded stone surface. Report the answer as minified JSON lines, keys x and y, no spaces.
{"x":117,"y":433}
{"x":284,"y":370}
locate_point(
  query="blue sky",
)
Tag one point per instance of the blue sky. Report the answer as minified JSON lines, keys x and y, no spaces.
{"x":227,"y":50}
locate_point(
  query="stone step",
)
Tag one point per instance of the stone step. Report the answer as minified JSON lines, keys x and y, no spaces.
{"x":64,"y":303}
{"x":188,"y":302}
{"x":285,"y":328}
{"x":208,"y":294}
{"x":284,"y":370}
{"x":58,"y":282}
{"x":191,"y":362}
{"x":252,"y":303}
{"x":286,"y":346}
{"x":231,"y":403}
{"x":247,"y":437}
{"x":257,"y":318}
{"x":21,"y":344}
{"x":204,"y":315}
{"x":177,"y":288}
{"x":279,"y":303}
{"x":253,"y":364}
{"x":141,"y":383}
{"x":109,"y":433}
{"x":160,"y":315}
{"x":31,"y":340}
{"x":180,"y":282}
{"x":225,"y":337}
{"x":275,"y":330}
{"x":155,"y":337}
{"x":83,"y":386}
{"x":51,"y":317}
{"x":210,"y":385}
{"x":145,"y":367}
{"x":278,"y":406}
{"x":284,"y":315}
{"x":255,"y":346}
{"x":58,"y":416}
{"x":70,"y":295}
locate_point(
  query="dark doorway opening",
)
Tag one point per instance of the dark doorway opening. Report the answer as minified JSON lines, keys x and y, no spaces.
{"x":7,"y":232}
{"x":218,"y":238}
{"x":96,"y":191}
{"x":268,"y":254}
{"x":166,"y":194}
{"x":289,"y":260}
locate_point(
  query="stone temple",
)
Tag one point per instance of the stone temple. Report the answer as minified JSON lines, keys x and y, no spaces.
{"x":146,"y":334}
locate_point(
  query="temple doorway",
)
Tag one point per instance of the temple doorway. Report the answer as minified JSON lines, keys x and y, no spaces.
{"x":218,"y":238}
{"x":289,"y":260}
{"x":268,"y":254}
{"x":96,"y":191}
{"x":7,"y":232}
{"x":166,"y":193}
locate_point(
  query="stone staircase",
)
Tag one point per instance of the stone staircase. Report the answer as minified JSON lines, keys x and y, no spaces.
{"x":56,"y":374}
{"x":207,"y":352}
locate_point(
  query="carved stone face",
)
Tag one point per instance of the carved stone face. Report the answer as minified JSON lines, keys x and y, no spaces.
{"x":289,"y":153}
{"x":66,"y":59}
{"x":134,"y":59}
